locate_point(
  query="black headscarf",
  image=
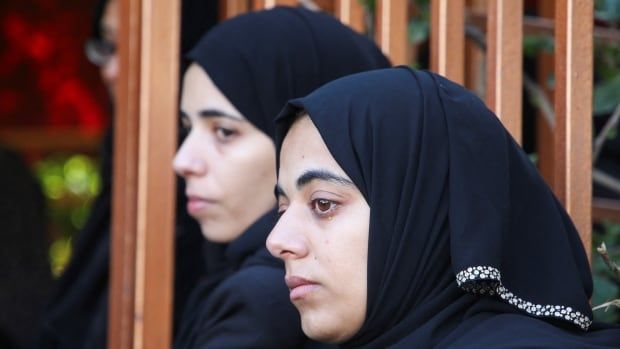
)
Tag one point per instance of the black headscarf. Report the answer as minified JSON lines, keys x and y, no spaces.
{"x":262,"y":59}
{"x":259,"y":61}
{"x":468,"y":247}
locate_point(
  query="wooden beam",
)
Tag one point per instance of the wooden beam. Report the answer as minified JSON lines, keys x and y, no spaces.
{"x":143,"y":192}
{"x":232,"y":8}
{"x":43,"y":139}
{"x":391,"y":33}
{"x":573,"y":105}
{"x":544,"y":131}
{"x":606,"y":209}
{"x":546,"y":26}
{"x":447,"y":37}
{"x":505,"y":62}
{"x":351,"y":13}
{"x":125,"y":173}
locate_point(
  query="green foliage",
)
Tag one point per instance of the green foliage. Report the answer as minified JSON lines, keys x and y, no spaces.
{"x":59,"y":254}
{"x":606,"y":96}
{"x":418,"y":30}
{"x":607,"y":10}
{"x":419,"y":24}
{"x":69,"y":183}
{"x":369,"y":5}
{"x":606,"y":285}
{"x":535,"y":44}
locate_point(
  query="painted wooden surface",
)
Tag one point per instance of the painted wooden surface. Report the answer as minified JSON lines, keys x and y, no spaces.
{"x":505,"y":62}
{"x":573,"y":109}
{"x":447,"y":35}
{"x":143,"y":193}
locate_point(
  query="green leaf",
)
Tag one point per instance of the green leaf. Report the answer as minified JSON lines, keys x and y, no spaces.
{"x":606,"y":96}
{"x":418,"y":31}
{"x":535,"y":44}
{"x":368,"y":4}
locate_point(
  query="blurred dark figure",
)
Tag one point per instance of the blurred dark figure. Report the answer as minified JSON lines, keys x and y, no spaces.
{"x":77,"y":315}
{"x":24,"y":266}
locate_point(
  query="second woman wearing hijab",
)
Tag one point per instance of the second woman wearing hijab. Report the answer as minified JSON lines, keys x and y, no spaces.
{"x":242,"y":72}
{"x":411,"y":219}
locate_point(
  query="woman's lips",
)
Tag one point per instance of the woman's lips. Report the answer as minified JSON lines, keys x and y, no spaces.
{"x":299,"y":287}
{"x":196,"y":205}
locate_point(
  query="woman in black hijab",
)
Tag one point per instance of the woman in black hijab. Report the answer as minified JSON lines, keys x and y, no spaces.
{"x":242,"y":72}
{"x":408,"y":209}
{"x":76,"y":316}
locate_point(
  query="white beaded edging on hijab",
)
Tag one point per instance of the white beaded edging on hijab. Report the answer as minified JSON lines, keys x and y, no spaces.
{"x":486,"y":280}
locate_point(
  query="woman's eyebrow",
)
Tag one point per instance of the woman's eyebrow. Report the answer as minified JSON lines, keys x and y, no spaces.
{"x":322,"y":175}
{"x":217,"y":113}
{"x":311,"y":175}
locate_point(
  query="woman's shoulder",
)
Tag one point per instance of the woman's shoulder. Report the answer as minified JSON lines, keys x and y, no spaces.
{"x":254,"y":281}
{"x":250,"y":308}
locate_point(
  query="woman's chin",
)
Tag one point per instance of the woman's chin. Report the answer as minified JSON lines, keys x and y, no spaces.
{"x":217,"y":234}
{"x":320,"y":330}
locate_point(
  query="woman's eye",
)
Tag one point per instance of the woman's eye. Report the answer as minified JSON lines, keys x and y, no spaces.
{"x":323,"y":206}
{"x":224,"y":134}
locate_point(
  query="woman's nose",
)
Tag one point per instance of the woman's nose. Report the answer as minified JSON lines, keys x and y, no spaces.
{"x":287,"y":240}
{"x":186,"y":162}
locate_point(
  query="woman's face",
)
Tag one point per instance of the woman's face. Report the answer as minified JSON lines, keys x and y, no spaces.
{"x":109,"y":33}
{"x":322,"y":236}
{"x":228,"y":164}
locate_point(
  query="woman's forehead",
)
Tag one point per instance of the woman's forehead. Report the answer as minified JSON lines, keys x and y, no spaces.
{"x":200,"y":93}
{"x":304,"y":151}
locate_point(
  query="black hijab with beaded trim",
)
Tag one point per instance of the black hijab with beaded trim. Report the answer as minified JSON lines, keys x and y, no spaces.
{"x":468,"y":247}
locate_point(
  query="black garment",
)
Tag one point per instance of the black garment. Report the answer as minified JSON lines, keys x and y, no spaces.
{"x":77,"y":315}
{"x":25,"y":274}
{"x":259,"y":61}
{"x":468,"y":247}
{"x":234,"y":309}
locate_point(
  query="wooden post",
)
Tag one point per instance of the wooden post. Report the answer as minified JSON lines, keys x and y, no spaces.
{"x":391,"y":33}
{"x":448,"y":39}
{"x":125,"y":185}
{"x":351,"y":13}
{"x":505,"y":62}
{"x":232,"y":8}
{"x":143,"y":192}
{"x":573,"y":105}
